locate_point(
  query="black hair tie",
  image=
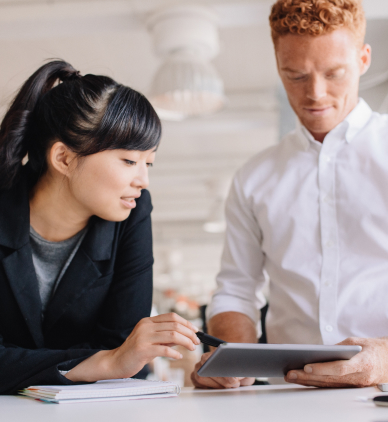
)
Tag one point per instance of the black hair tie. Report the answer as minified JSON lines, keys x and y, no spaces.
{"x":72,"y":76}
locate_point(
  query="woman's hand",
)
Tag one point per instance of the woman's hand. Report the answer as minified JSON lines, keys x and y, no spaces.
{"x":151,"y":337}
{"x":154,"y":337}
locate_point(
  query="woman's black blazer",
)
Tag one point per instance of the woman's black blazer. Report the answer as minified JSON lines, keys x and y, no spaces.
{"x":105,"y":291}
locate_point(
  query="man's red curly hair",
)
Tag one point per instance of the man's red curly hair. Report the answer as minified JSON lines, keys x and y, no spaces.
{"x":317,"y":17}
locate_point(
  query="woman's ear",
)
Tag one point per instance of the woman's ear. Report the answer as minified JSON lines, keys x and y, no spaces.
{"x":61,"y":158}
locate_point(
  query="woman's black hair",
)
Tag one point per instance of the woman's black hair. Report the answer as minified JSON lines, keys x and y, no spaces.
{"x":87,"y":113}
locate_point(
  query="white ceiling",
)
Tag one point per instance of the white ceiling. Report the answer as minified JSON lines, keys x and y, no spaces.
{"x":111,"y":38}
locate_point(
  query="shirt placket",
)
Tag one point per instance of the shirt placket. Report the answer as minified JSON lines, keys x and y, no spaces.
{"x":329,"y":239}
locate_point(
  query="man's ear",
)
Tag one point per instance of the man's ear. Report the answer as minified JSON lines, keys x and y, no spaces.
{"x":366,"y":58}
{"x":61,"y":158}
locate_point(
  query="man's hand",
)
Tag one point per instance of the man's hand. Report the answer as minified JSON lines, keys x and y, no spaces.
{"x":367,"y":368}
{"x":205,"y":382}
{"x":232,"y":327}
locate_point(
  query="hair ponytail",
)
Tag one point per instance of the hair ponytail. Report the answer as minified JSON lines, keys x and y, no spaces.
{"x":14,"y":129}
{"x":89,"y":114}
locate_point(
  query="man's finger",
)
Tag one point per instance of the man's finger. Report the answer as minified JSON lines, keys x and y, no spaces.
{"x":201,"y":382}
{"x":216,"y":382}
{"x":204,"y":358}
{"x":228,"y":382}
{"x":338,"y":368}
{"x":247,"y":381}
{"x":321,"y":384}
{"x":300,"y":377}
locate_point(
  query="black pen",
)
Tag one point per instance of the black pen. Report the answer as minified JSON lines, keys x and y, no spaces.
{"x":209,"y":340}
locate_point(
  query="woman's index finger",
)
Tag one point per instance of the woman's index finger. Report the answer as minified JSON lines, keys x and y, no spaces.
{"x":173,"y":317}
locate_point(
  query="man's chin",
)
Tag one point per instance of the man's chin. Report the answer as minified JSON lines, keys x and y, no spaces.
{"x":320,"y":126}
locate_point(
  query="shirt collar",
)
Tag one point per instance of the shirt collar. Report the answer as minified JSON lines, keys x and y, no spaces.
{"x":352,"y":124}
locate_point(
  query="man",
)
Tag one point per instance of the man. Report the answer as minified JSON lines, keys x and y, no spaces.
{"x":313,"y":211}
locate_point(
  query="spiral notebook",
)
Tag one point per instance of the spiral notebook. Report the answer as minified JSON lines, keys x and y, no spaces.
{"x":107,"y":390}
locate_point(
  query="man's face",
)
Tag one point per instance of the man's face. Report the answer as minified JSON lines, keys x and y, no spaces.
{"x":321,"y":76}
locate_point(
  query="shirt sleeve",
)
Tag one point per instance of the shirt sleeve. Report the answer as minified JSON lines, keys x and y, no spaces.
{"x":20,"y":367}
{"x":241,"y":278}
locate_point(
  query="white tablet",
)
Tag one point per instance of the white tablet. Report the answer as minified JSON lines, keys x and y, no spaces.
{"x":269,"y":360}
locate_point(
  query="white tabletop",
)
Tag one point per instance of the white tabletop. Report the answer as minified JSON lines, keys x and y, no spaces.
{"x":273,"y":403}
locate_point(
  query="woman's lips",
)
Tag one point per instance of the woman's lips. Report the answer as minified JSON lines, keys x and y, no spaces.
{"x":128,"y":202}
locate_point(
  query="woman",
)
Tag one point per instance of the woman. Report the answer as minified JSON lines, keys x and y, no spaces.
{"x":75,"y":234}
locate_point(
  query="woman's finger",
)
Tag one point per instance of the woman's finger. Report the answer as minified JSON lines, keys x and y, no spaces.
{"x":178,"y":327}
{"x":166,"y":352}
{"x":172,"y":337}
{"x":173,"y":317}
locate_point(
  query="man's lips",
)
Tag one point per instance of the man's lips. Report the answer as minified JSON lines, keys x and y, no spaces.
{"x":318,"y":111}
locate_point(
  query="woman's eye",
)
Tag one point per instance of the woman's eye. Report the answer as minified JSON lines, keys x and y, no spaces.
{"x":150,"y":164}
{"x":130,"y":163}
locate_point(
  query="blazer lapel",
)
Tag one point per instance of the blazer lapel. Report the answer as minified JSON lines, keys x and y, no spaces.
{"x":82,"y":271}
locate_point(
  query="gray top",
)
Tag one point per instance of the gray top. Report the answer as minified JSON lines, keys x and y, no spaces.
{"x":51,"y":260}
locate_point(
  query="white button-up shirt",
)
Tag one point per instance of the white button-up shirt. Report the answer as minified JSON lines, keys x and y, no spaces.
{"x":314,"y":216}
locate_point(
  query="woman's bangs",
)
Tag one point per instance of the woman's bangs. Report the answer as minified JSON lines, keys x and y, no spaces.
{"x":129,"y":122}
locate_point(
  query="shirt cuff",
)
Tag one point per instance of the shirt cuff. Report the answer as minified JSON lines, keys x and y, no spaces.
{"x":225,"y":303}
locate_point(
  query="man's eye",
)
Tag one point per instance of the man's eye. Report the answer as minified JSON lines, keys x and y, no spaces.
{"x":336,"y":75}
{"x":297,"y":78}
{"x":130,"y":163}
{"x":150,"y":164}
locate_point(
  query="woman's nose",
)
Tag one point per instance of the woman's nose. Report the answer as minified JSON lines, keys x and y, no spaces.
{"x":141,"y":180}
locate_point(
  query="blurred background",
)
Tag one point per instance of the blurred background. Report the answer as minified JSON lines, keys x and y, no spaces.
{"x":209,"y":69}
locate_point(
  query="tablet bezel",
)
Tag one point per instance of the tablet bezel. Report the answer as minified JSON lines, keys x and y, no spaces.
{"x":269,"y":360}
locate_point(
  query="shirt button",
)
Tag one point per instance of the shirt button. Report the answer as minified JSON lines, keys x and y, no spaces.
{"x":327,"y":283}
{"x":326,"y":199}
{"x":329,"y":328}
{"x":329,"y":244}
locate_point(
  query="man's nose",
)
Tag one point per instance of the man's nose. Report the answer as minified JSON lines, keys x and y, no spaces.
{"x":316,"y":89}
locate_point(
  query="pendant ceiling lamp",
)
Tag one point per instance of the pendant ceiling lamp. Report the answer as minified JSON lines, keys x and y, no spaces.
{"x":186,"y":84}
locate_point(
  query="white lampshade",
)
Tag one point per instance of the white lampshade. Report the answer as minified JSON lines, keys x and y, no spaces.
{"x":186,"y":85}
